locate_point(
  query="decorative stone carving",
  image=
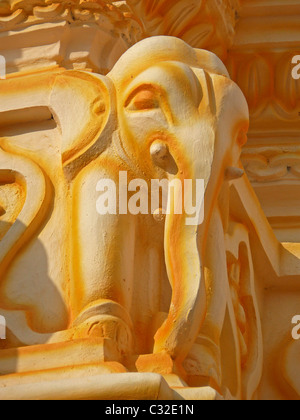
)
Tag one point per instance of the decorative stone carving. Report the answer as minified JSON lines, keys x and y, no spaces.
{"x":72,"y":34}
{"x":203,"y":24}
{"x":260,"y":61}
{"x":92,"y":35}
{"x":106,"y":262}
{"x":173,"y":310}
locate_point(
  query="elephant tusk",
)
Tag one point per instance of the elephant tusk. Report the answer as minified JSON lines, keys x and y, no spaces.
{"x":159,"y":215}
{"x":159,"y":152}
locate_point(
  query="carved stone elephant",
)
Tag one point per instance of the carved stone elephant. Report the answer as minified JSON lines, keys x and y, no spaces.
{"x":165,"y":111}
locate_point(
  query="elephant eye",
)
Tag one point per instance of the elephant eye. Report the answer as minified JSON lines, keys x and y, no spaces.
{"x":143,"y":100}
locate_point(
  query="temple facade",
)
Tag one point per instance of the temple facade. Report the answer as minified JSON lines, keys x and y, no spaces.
{"x":108,"y":290}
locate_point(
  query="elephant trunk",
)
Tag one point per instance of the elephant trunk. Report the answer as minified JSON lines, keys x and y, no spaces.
{"x":182,"y":254}
{"x":202,"y":165}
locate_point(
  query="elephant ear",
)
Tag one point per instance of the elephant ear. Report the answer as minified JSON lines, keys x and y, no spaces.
{"x":81,"y":104}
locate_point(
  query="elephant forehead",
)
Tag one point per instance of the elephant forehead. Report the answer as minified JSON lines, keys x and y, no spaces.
{"x":159,"y":49}
{"x":173,"y":78}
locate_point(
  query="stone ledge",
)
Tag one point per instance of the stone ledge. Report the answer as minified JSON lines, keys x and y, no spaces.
{"x":123,"y":386}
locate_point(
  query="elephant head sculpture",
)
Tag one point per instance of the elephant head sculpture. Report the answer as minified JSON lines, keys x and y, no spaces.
{"x":181,"y":117}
